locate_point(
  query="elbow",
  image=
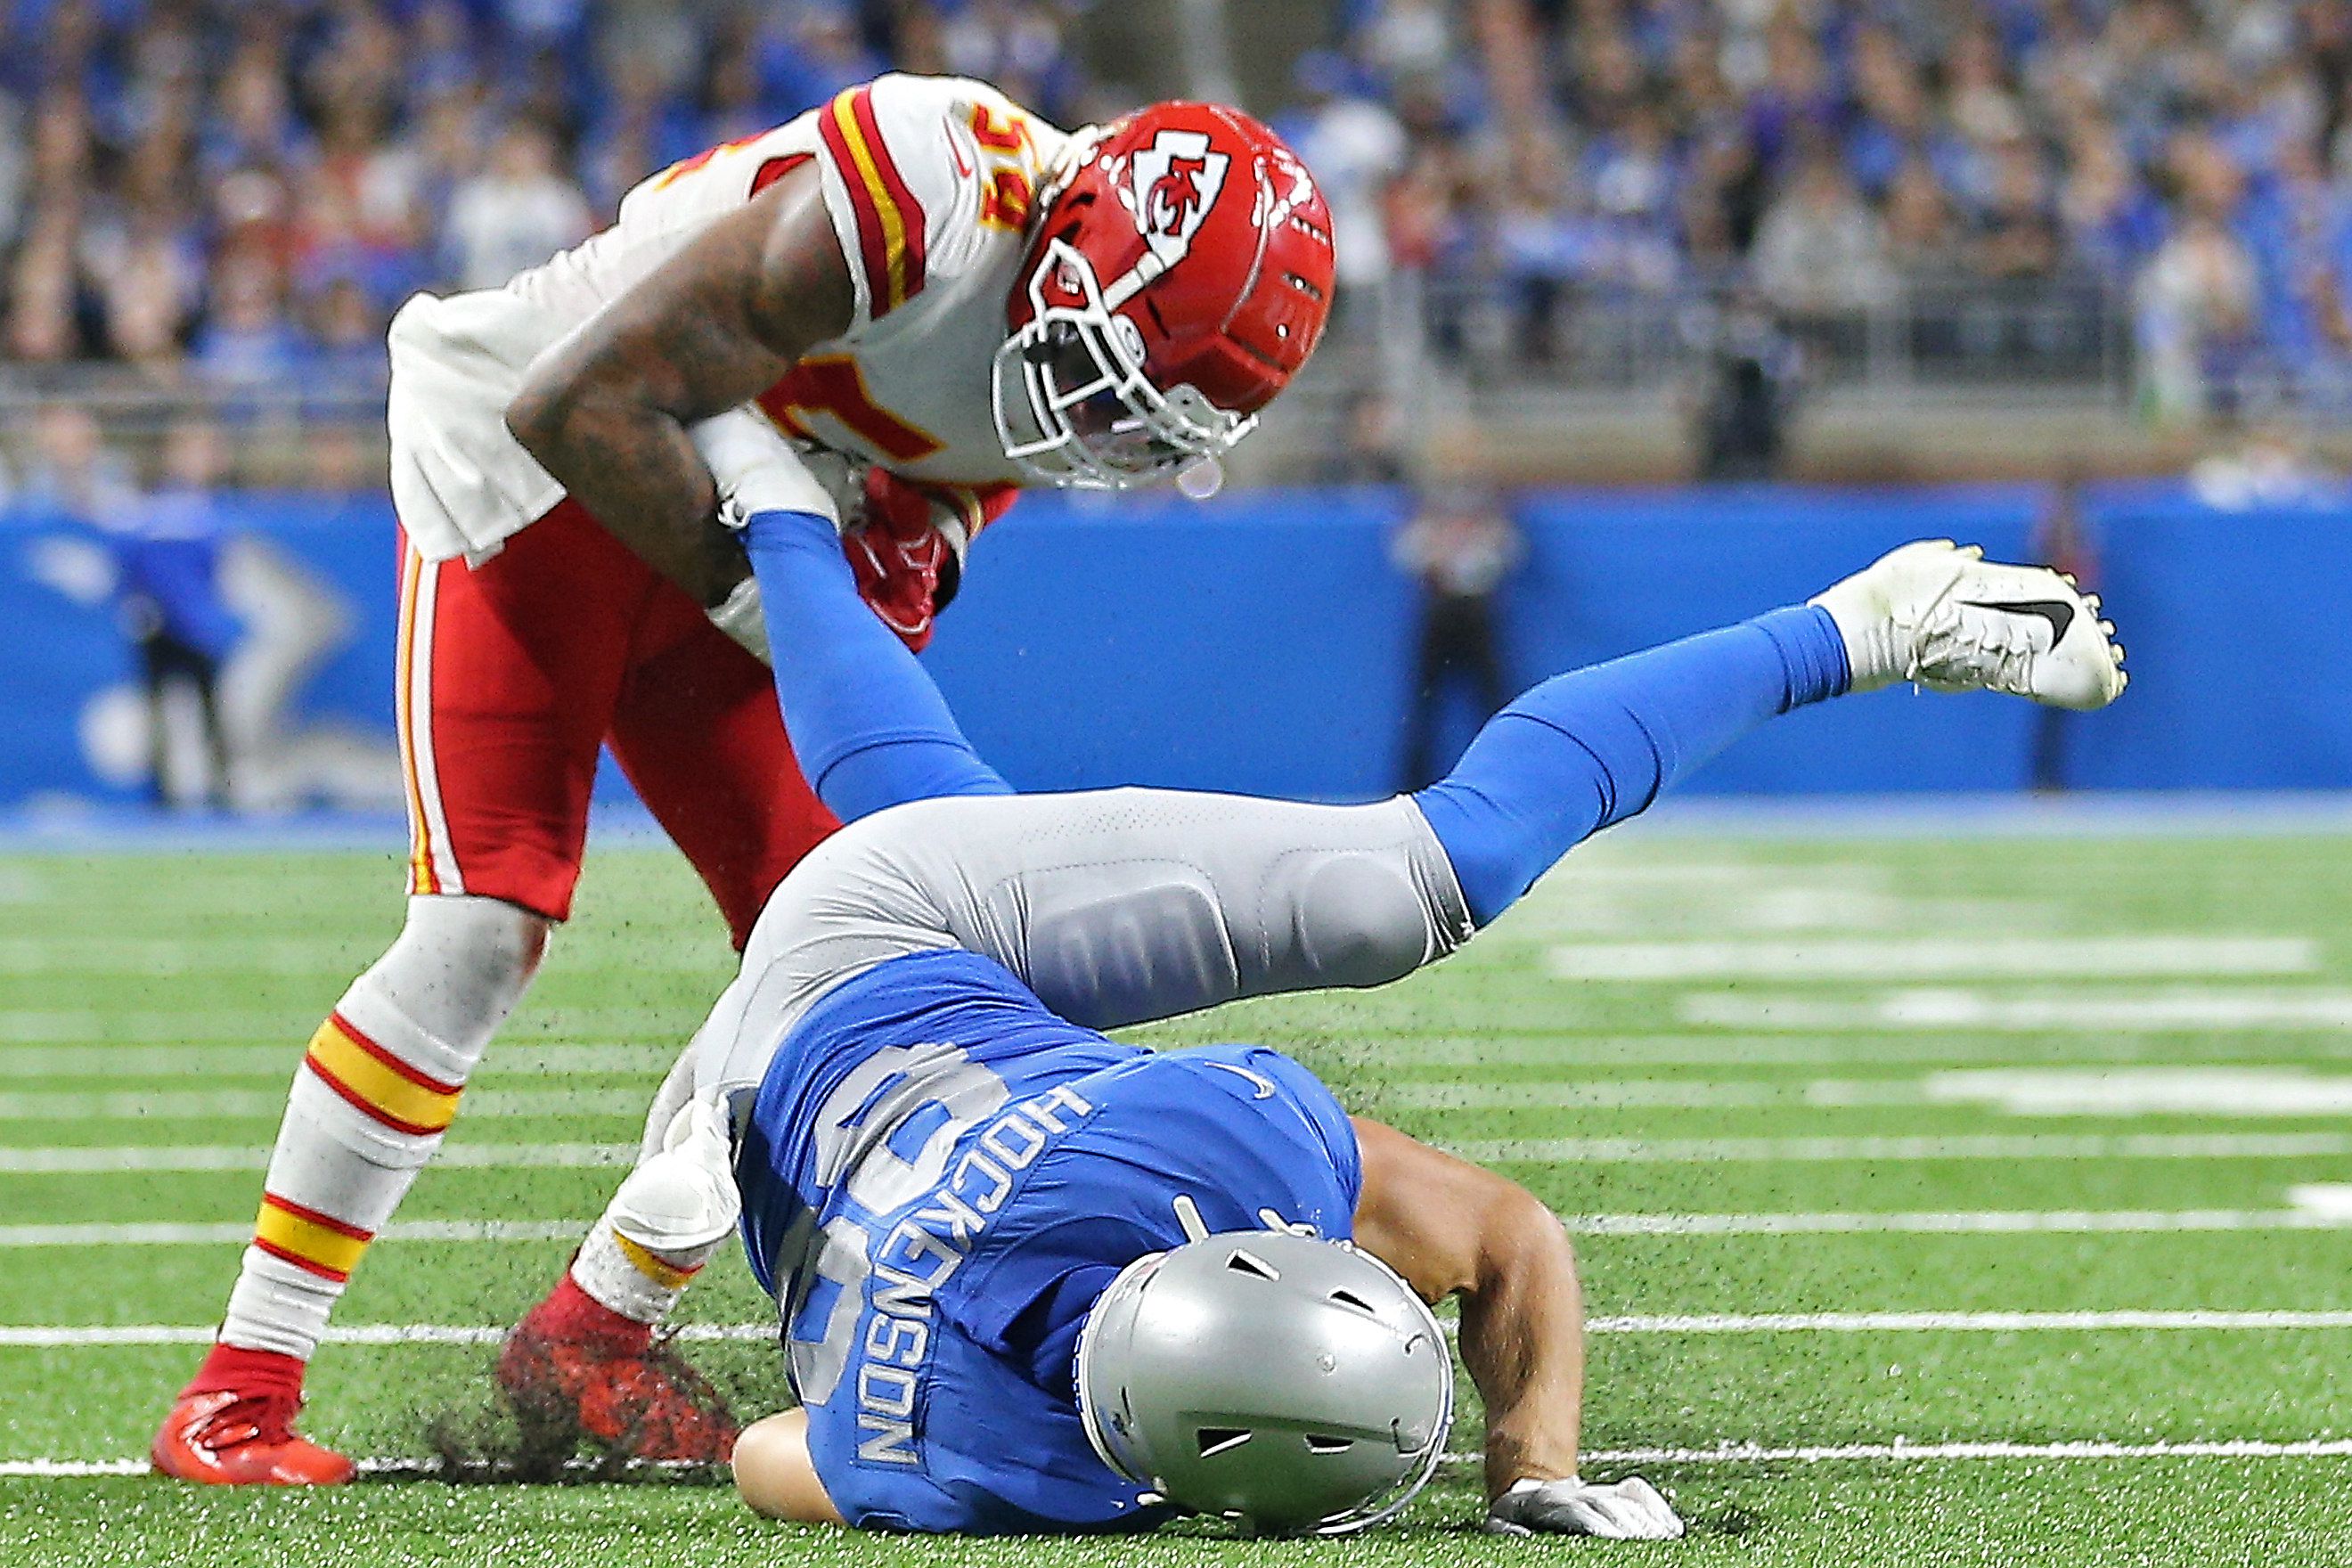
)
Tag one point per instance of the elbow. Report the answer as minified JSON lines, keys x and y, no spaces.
{"x":536,"y":416}
{"x":1525,"y":1236}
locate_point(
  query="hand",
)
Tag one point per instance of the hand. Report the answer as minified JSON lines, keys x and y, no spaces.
{"x":907,"y":550}
{"x":1630,"y":1511}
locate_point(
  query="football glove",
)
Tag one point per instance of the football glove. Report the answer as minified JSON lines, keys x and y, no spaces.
{"x":908,"y":547}
{"x":1630,"y":1511}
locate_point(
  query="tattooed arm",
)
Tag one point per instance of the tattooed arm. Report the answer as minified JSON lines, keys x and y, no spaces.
{"x":605,"y":411}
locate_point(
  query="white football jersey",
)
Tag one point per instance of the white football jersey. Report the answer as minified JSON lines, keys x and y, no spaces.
{"x":929,"y":182}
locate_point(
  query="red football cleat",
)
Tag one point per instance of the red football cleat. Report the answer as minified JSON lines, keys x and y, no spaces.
{"x":576,"y":1362}
{"x":234,"y":1425}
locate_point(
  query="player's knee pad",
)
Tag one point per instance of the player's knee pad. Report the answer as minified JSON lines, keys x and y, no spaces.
{"x":458,"y":967}
{"x":1361,"y":920}
{"x":684,"y":1196}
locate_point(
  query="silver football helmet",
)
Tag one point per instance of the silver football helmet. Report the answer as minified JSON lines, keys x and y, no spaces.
{"x":1292,"y":1384}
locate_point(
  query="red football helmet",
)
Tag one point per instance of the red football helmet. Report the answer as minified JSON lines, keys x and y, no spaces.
{"x":1179,"y":275}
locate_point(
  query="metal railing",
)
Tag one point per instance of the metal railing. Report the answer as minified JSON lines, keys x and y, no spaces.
{"x":321,"y":431}
{"x":1462,"y":336}
{"x":1929,"y":332}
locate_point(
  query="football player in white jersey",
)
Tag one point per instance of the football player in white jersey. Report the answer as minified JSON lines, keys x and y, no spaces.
{"x":890,"y":312}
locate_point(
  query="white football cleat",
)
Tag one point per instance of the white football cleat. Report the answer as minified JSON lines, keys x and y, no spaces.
{"x":1941,"y":615}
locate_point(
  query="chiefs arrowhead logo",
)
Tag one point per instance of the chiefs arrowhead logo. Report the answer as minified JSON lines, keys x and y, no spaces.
{"x":1175,"y":196}
{"x":1171,"y":187}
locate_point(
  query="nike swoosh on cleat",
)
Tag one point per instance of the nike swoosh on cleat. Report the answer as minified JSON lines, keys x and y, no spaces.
{"x":2057,"y":612}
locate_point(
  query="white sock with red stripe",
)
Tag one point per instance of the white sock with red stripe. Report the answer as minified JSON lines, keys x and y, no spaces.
{"x":641,"y":1283}
{"x":674,"y":1212}
{"x":369,"y":1106}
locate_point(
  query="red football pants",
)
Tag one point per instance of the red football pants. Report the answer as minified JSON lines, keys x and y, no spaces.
{"x":513,"y":673}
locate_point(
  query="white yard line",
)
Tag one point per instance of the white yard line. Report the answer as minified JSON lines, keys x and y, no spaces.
{"x":1746,"y":1454}
{"x":1936,"y":958}
{"x":62,"y":1025}
{"x":84,"y":1025}
{"x":1726,"y":1454}
{"x":1991,"y":1222}
{"x":2317,"y":1207}
{"x":1624,"y":1094}
{"x":103,"y":1161}
{"x":2190,"y":1009}
{"x":2325,"y":1200}
{"x":130,"y":1334}
{"x":1962,"y":1323}
{"x":233,"y":1104}
{"x":1958,"y":1146}
{"x":229,"y":1157}
{"x":2250,"y":1089}
{"x":2236,"y":1090}
{"x":232,"y":1233}
{"x":149,"y":956}
{"x":175,"y":955}
{"x":136,"y":1334}
{"x":1582,"y":1051}
{"x":278,"y":1061}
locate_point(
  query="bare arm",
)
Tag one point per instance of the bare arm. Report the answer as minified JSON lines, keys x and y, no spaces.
{"x":775,"y":1475}
{"x":605,"y":411}
{"x":1453,"y":1230}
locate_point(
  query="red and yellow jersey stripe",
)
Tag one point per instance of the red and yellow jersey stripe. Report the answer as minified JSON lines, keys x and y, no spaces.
{"x":380,"y":1084}
{"x":889,"y":219}
{"x":421,"y":877}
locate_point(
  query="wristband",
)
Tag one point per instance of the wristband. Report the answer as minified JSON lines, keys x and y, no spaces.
{"x":756,"y":470}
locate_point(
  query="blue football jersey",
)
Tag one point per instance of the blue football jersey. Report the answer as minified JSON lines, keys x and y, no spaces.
{"x":940,"y":1178}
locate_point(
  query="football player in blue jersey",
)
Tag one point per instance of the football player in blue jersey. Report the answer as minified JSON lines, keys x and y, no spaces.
{"x":1033,"y":1279}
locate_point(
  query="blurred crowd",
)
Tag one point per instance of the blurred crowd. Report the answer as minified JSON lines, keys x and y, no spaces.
{"x":2189,"y":162}
{"x":235,"y":194}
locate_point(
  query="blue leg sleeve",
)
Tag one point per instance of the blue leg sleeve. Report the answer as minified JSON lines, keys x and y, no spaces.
{"x":869,"y":727}
{"x":1595,"y":746}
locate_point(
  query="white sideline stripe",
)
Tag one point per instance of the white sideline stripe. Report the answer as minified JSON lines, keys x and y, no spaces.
{"x":224,"y":1157}
{"x":1727,"y":1454}
{"x":99,"y":1060}
{"x":1958,"y":1146}
{"x":1934,"y":958}
{"x":2189,"y":1009}
{"x":231,"y":1104}
{"x":78,"y":1336}
{"x":232,"y":1233}
{"x":1991,"y":1222}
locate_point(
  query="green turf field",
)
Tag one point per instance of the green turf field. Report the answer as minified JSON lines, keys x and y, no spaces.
{"x":1966,"y":1147}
